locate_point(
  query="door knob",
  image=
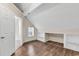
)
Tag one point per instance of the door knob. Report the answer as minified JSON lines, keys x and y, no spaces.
{"x":2,"y":37}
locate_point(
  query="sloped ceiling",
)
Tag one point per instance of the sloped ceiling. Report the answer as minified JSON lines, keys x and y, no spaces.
{"x":59,"y":18}
{"x":55,"y":17}
{"x":27,"y":7}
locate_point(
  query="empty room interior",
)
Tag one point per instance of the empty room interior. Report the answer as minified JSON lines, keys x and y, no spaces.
{"x":39,"y":29}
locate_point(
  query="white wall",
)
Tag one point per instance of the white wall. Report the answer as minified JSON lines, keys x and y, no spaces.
{"x":41,"y":36}
{"x":71,"y":41}
{"x":26,"y":24}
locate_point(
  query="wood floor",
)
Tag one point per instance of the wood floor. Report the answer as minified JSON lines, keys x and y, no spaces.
{"x":37,"y":48}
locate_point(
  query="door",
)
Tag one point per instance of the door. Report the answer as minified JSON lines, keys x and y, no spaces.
{"x":6,"y":37}
{"x":18,"y":32}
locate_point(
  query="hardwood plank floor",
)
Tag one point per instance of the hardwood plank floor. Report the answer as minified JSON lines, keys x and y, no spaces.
{"x":38,"y":48}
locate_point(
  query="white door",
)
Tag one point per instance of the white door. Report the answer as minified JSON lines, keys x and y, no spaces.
{"x":6,"y":36}
{"x":18,"y":32}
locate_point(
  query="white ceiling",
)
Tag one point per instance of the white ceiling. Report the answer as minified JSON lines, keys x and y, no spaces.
{"x":56,"y":18}
{"x":27,"y":7}
{"x":53,"y":17}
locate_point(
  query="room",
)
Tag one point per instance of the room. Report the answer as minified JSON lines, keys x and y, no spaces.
{"x":39,"y":29}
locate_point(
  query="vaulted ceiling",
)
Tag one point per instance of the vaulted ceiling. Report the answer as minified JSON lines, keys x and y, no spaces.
{"x":27,"y":8}
{"x":53,"y":17}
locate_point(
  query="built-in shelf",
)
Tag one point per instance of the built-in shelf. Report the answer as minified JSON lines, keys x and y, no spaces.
{"x":55,"y":37}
